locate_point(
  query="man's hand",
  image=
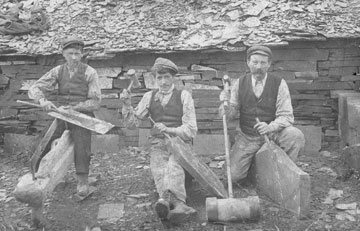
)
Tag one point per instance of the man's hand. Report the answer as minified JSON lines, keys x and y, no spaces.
{"x":161,"y":127}
{"x":66,"y":108}
{"x":224,"y":96}
{"x":46,"y":105}
{"x":263,"y":128}
{"x":125,"y":97}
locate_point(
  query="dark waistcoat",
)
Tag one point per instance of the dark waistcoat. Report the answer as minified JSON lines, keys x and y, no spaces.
{"x":171,"y":114}
{"x":75,"y":89}
{"x":251,"y":107}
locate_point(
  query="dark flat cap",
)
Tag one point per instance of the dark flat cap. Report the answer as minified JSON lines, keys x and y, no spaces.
{"x":261,"y":50}
{"x":165,"y":63}
{"x":72,"y":40}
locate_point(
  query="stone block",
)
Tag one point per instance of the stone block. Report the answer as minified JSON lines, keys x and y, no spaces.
{"x":16,"y":143}
{"x":111,"y":211}
{"x":301,"y":54}
{"x":343,"y":123}
{"x":295,"y":65}
{"x":111,"y":72}
{"x":105,"y":83}
{"x":351,"y":156}
{"x":313,"y":138}
{"x":353,"y":131}
{"x":105,"y":143}
{"x":209,"y":144}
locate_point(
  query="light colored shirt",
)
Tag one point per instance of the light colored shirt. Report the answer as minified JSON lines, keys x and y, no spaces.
{"x":188,"y":128}
{"x":49,"y":81}
{"x":284,"y":110}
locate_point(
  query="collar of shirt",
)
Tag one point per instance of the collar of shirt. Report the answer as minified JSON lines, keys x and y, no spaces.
{"x":263,"y":81}
{"x":168,"y":91}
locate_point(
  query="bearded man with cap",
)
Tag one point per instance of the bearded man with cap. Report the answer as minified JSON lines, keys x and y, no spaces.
{"x":173,"y":112}
{"x":264,"y":96}
{"x":79,"y":90}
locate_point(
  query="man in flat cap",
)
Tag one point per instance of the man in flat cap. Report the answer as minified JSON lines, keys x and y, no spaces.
{"x":264,"y":96}
{"x":79,"y":90}
{"x":173,"y":112}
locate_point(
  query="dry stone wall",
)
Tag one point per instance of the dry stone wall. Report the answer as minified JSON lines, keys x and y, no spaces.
{"x":313,"y":71}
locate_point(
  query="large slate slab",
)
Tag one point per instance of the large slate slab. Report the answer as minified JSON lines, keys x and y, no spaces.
{"x":278,"y":177}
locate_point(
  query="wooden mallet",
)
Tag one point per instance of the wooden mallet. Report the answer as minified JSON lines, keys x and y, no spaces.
{"x":231,"y":209}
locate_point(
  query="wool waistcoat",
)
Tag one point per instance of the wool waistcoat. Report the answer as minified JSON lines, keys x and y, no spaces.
{"x":251,"y":107}
{"x":170,"y":114}
{"x":75,"y":89}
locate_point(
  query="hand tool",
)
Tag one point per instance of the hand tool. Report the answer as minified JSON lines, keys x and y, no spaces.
{"x":231,"y":209}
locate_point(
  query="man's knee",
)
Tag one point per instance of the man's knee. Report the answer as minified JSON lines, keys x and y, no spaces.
{"x":294,"y":134}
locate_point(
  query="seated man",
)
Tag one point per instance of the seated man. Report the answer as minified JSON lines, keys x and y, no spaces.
{"x":79,"y":90}
{"x":264,"y":96}
{"x":174,"y":113}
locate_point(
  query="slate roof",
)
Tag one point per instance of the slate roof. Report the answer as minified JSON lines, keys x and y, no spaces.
{"x":111,"y":26}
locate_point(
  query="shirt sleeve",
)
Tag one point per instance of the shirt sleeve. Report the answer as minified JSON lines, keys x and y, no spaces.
{"x":94,"y":92}
{"x":188,"y":129}
{"x":284,"y":111}
{"x":44,"y":85}
{"x":131,"y":117}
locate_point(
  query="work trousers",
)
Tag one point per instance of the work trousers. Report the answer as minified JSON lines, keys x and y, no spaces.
{"x":290,"y":139}
{"x":167,"y":173}
{"x":82,"y":145}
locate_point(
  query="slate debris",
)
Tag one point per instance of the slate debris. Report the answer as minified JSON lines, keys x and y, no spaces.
{"x":110,"y":26}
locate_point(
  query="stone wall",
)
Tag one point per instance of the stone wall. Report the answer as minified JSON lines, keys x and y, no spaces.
{"x":314,"y":72}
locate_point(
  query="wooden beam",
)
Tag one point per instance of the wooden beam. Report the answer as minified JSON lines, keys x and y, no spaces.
{"x":278,"y":177}
{"x":53,"y":167}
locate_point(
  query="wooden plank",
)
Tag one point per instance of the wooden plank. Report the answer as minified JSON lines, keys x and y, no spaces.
{"x":186,"y":157}
{"x":278,"y":177}
{"x":52,"y":169}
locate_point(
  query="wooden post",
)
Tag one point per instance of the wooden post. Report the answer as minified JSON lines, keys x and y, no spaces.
{"x":52,"y":169}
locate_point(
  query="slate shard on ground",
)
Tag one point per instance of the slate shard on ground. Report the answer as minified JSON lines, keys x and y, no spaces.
{"x":111,"y":211}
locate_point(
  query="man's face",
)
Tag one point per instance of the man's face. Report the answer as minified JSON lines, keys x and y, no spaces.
{"x":258,"y":65}
{"x":72,"y":56}
{"x":164,"y":81}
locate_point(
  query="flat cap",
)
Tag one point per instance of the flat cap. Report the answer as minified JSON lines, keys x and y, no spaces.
{"x":261,"y":50}
{"x":72,"y":40}
{"x":165,"y":63}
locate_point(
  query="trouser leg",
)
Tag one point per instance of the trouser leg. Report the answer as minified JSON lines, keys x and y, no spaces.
{"x":242,"y":154}
{"x":291,"y":140}
{"x":82,"y":148}
{"x":167,"y":173}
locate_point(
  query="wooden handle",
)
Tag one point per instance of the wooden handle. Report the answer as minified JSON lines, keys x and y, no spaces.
{"x":265,"y":136}
{"x":227,"y":157}
{"x":28,"y":103}
{"x":226,"y":80}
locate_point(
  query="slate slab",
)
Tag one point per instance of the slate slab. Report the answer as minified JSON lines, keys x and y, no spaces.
{"x":111,"y":211}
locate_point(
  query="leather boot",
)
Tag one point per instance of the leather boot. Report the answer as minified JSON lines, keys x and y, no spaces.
{"x":181,"y":212}
{"x":82,"y":185}
{"x":162,"y":206}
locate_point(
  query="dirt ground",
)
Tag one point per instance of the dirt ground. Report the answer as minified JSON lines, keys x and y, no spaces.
{"x":127,"y":173}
